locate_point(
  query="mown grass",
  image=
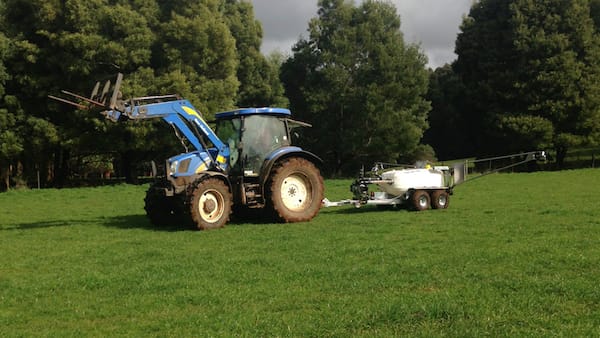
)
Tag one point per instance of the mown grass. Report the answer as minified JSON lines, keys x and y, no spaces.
{"x":514,"y":255}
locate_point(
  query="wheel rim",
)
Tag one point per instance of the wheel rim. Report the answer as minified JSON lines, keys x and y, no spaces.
{"x":295,"y":192}
{"x":211,"y":206}
{"x":423,"y":201}
{"x":442,"y":200}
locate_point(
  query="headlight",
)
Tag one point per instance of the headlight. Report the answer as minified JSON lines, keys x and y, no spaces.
{"x":173,"y":167}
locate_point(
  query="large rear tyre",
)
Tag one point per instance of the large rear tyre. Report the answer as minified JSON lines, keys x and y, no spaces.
{"x":420,"y":200}
{"x":160,"y":209}
{"x":210,"y":203}
{"x":295,"y":190}
{"x":440,"y":199}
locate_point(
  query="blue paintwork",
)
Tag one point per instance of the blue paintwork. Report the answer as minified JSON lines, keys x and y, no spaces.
{"x":254,"y":111}
{"x":281,"y":151}
{"x":196,"y":158}
{"x":182,"y":115}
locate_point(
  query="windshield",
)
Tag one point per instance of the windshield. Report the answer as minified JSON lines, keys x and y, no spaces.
{"x":228,"y":131}
{"x":262,"y":135}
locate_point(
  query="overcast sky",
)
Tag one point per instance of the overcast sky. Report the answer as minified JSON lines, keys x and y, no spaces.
{"x":431,"y":23}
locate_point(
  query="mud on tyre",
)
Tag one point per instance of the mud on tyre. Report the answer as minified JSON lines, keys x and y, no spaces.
{"x":295,"y":190}
{"x":440,"y":199}
{"x":420,"y":200}
{"x":209,"y":203}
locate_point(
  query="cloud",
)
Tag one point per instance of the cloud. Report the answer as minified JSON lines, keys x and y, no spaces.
{"x":433,"y":24}
{"x":284,"y":20}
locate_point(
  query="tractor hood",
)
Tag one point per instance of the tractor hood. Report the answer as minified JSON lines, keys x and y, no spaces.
{"x":188,"y":164}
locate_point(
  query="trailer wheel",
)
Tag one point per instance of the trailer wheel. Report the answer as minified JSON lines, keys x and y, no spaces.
{"x":440,"y":199}
{"x":210,"y":203}
{"x":295,"y":190}
{"x":160,"y":209}
{"x":420,"y":200}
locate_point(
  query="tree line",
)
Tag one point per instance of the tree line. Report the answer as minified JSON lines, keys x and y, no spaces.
{"x":526,"y":77}
{"x":206,"y":51}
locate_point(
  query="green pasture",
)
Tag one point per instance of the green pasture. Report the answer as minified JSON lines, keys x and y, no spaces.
{"x":514,"y":255}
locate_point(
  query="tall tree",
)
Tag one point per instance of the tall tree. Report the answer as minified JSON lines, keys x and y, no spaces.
{"x":181,"y":47}
{"x":259,"y":79}
{"x":560,"y":78}
{"x":67,"y":43}
{"x":206,"y":51}
{"x":196,"y":56}
{"x":448,"y":129}
{"x":595,"y":12}
{"x":359,"y":83}
{"x":10,"y":141}
{"x":530,"y":70}
{"x":486,"y":63}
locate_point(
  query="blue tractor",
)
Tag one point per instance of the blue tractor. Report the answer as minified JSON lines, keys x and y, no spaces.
{"x":247,"y":162}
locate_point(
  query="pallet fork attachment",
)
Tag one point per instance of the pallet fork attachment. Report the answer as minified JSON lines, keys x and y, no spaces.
{"x":97,"y":99}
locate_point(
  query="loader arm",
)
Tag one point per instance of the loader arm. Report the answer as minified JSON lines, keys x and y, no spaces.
{"x":179,"y":113}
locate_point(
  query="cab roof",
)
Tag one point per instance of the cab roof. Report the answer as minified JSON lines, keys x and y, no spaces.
{"x":254,"y":111}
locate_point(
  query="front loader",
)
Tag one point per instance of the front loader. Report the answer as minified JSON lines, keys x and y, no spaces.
{"x":248,"y":161}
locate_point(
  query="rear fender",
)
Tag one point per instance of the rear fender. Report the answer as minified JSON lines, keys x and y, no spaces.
{"x":283,"y":153}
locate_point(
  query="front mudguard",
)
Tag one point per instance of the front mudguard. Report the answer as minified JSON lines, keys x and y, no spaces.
{"x":180,"y":184}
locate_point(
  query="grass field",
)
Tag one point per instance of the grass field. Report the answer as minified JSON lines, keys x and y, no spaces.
{"x":514,"y":255}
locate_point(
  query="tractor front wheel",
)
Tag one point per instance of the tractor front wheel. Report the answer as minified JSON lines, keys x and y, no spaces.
{"x":161,"y":209}
{"x":210,"y":203}
{"x":296,"y":190}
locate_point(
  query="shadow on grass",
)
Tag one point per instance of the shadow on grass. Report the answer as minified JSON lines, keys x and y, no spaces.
{"x":140,"y":221}
{"x":119,"y":222}
{"x":349,"y":210}
{"x":46,"y":224}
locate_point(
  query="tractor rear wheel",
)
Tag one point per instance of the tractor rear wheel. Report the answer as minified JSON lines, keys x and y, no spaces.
{"x":420,"y":200}
{"x":160,"y":209}
{"x":210,"y":203}
{"x":295,"y":190}
{"x":440,"y":199}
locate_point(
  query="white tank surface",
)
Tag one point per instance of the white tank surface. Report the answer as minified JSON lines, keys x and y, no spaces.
{"x":403,"y":180}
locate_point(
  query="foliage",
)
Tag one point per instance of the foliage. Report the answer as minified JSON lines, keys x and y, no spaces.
{"x":259,"y":78}
{"x":359,"y":84}
{"x":595,"y":12}
{"x":10,"y":144}
{"x":562,"y":50}
{"x":512,"y":256}
{"x":207,"y":52}
{"x":197,"y":54}
{"x":448,"y":125}
{"x":526,"y":62}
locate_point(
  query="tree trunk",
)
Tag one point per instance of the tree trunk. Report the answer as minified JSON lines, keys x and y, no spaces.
{"x":6,"y":176}
{"x":561,"y":154}
{"x":61,"y":166}
{"x":128,"y":167}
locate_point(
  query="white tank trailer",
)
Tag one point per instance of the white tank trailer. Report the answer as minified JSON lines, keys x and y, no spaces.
{"x":418,"y":187}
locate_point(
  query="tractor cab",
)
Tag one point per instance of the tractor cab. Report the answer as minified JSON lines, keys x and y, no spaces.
{"x":253,"y":134}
